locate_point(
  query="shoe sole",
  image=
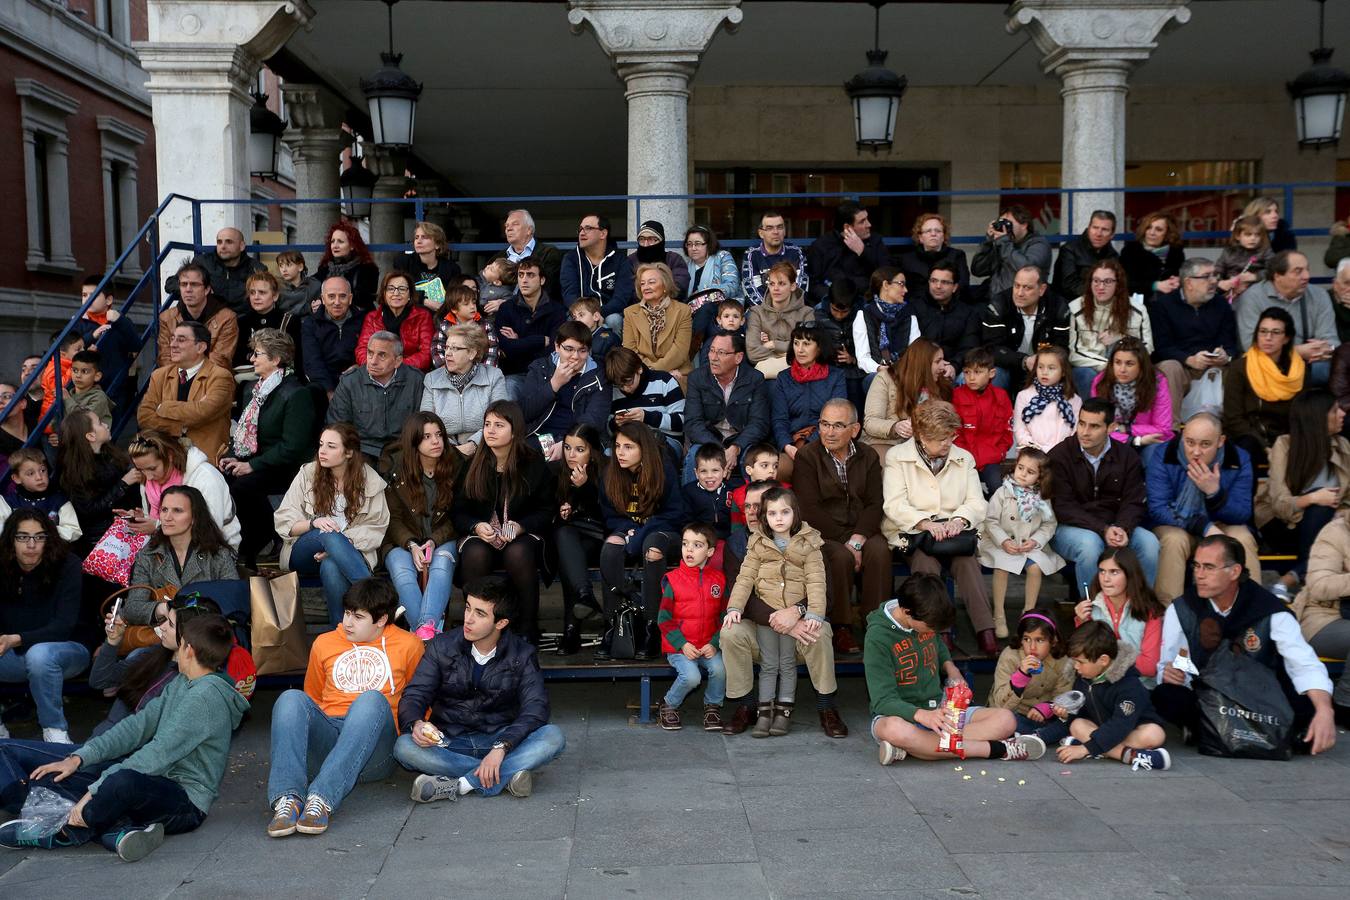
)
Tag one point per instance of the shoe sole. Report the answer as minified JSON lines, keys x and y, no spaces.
{"x":889,"y":754}
{"x":1035,"y":747}
{"x":311,"y":829}
{"x":416,"y":793}
{"x":281,"y":832}
{"x":665,"y":727}
{"x":137,"y":845}
{"x":711,"y":727}
{"x":521,"y":784}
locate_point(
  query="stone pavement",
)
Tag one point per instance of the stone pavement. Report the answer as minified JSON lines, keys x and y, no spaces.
{"x":632,"y":811}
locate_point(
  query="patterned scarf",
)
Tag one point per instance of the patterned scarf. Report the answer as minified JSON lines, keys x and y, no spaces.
{"x":934,"y":463}
{"x":245,"y":438}
{"x":1028,"y":499}
{"x":1044,"y":397}
{"x":657,"y":316}
{"x":890,"y":313}
{"x":460,"y":379}
{"x":1189,"y":506}
{"x":1126,"y":398}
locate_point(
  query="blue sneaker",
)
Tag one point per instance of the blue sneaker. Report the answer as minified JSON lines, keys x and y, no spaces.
{"x":138,"y":843}
{"x":1151,"y":760}
{"x":25,"y":834}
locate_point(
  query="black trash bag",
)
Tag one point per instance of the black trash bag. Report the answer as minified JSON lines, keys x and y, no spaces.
{"x":1244,"y":713}
{"x":630,"y":629}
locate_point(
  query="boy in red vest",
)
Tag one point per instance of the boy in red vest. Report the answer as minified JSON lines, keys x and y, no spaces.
{"x":986,"y":418}
{"x":693,"y":601}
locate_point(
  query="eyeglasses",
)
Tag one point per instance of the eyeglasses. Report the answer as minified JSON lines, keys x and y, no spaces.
{"x":696,"y":243}
{"x":1209,"y":568}
{"x":898,"y":282}
{"x":1206,"y":276}
{"x":833,"y":426}
{"x":1270,"y":332}
{"x":719,"y":353}
{"x":397,"y":289}
{"x":588,"y":228}
{"x":30,"y":538}
{"x":453,"y":348}
{"x":648,"y":240}
{"x":1103,"y":281}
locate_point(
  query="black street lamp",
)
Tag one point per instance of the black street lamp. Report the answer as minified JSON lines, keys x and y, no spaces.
{"x":1319,"y":94}
{"x":264,"y":137}
{"x":357,"y":184}
{"x":392,"y":96}
{"x":876,"y":93}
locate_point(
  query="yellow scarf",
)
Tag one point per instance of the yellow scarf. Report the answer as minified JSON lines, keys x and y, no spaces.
{"x":1268,"y":382}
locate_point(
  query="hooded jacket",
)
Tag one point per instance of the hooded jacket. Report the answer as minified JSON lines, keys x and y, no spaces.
{"x":610,"y":279}
{"x":778,"y":324}
{"x":183,"y":735}
{"x":340,"y":670}
{"x":693,"y":602}
{"x":904,"y":671}
{"x":509,"y":699}
{"x":1117,"y":702}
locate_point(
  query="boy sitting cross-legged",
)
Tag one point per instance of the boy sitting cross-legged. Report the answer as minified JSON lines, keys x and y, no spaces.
{"x":475,"y":716}
{"x":345,"y":715}
{"x":905,"y":661}
{"x":1130,"y":730}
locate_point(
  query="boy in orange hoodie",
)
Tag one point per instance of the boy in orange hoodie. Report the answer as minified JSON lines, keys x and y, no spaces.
{"x":346,"y":715}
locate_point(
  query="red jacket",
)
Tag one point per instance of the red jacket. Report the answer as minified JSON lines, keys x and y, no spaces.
{"x":416,"y":332}
{"x":986,"y":420}
{"x":692,"y":604}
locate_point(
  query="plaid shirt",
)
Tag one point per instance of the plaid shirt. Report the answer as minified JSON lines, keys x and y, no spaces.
{"x":841,"y":466}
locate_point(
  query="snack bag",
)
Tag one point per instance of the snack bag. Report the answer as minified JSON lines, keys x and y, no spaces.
{"x":957,"y":700}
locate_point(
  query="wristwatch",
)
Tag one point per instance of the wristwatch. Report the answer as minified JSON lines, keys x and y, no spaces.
{"x":801,"y":608}
{"x":856,"y":545}
{"x":504,"y":746}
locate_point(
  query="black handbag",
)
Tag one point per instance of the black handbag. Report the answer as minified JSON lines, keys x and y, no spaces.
{"x":964,"y":544}
{"x":630,"y":629}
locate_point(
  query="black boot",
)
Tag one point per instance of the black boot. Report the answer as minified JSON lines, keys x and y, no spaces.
{"x":651,"y":647}
{"x":602,"y":653}
{"x":585,"y":606}
{"x":570,"y":641}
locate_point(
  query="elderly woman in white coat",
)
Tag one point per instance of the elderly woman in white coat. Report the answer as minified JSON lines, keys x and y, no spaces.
{"x":463,"y":388}
{"x":930,"y":485}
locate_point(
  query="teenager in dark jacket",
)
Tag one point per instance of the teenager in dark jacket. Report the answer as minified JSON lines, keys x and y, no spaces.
{"x":565,"y":388}
{"x":944,"y":318}
{"x":527,"y":321}
{"x":488,"y":727}
{"x":579,"y":529}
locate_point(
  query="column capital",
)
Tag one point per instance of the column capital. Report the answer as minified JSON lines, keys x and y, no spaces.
{"x":261,"y":27}
{"x":312,"y":107}
{"x":386,"y":162}
{"x":1074,"y":34}
{"x":640,"y":33}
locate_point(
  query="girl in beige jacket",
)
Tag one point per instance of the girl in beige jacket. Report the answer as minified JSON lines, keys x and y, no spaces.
{"x":783,"y":568}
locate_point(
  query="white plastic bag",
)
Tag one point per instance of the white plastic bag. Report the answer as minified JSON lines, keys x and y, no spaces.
{"x":45,"y":812}
{"x":1205,"y":395}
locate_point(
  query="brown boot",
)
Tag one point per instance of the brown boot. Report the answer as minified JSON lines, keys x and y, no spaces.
{"x":782,"y":713}
{"x":669,"y":718}
{"x":761,"y":729}
{"x":712,"y":717}
{"x":740,"y":720}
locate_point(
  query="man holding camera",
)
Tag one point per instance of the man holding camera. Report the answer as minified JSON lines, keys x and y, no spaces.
{"x":1011,"y":242}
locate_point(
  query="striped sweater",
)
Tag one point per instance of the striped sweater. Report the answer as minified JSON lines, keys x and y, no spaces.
{"x":661,"y":400}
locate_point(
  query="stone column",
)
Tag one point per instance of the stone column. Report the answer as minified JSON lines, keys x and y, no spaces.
{"x":316,"y":140}
{"x":656,"y":49}
{"x":1092,"y":47}
{"x":201,"y":58}
{"x":390,"y":166}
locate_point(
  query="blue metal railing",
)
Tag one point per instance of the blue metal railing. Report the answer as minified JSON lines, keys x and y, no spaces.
{"x":147,"y":289}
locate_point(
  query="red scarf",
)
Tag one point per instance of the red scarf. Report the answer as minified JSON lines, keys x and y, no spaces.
{"x":817,"y":371}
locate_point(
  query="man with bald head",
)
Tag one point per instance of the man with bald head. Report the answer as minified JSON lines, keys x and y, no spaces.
{"x":329,"y":337}
{"x":1197,"y":486}
{"x":228,"y":267}
{"x":837,"y":480}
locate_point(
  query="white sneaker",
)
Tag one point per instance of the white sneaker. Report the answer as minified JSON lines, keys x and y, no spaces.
{"x":55,"y":736}
{"x":889,"y":753}
{"x":429,"y":788}
{"x":4,"y":732}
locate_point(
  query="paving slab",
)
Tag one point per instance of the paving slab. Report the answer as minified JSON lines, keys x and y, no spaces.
{"x":692,"y":882}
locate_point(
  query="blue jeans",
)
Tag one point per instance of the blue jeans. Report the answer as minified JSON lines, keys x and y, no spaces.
{"x":343,"y":566}
{"x":687,"y":678}
{"x":336,"y":751}
{"x":1082,"y":380}
{"x":429,"y":605}
{"x":18,"y":759}
{"x":46,"y":667}
{"x":461,"y":758}
{"x":1084,"y":548}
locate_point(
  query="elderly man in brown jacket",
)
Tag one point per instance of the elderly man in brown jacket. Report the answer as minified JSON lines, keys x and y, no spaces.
{"x":191,"y":395}
{"x":837,"y":480}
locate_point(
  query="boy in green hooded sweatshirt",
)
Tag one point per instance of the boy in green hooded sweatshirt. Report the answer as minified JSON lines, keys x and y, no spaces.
{"x":905,"y":662}
{"x":153,"y":773}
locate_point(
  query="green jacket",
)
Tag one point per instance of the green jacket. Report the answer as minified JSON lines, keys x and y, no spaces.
{"x":287,"y":426}
{"x":904,"y":673}
{"x":183,"y":735}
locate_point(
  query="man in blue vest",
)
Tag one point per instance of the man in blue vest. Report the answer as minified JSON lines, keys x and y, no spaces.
{"x":1225,"y":605}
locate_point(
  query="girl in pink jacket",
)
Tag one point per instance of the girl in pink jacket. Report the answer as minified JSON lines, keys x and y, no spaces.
{"x":1139,"y":392}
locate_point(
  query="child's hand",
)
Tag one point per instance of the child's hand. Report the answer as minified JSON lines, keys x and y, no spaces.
{"x":1034,"y":715}
{"x":1029,"y":545}
{"x":708,"y":651}
{"x":1072,"y":753}
{"x":689,"y":650}
{"x":1060,"y":711}
{"x":1082,"y":610}
{"x":733,"y":617}
{"x":1011,"y":546}
{"x":934,"y":721}
{"x":1030,"y":662}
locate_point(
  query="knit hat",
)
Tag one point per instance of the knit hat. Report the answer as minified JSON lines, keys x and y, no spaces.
{"x":654,"y":228}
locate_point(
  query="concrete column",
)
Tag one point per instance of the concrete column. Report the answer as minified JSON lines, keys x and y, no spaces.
{"x":201,"y":58}
{"x":656,"y":48}
{"x":390,"y":168}
{"x":1092,"y":47}
{"x":316,"y":140}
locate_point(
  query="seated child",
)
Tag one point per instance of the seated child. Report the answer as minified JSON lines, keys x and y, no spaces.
{"x":586,"y":310}
{"x":1015,"y":536}
{"x":1132,"y":731}
{"x":154,"y":773}
{"x":496,"y":284}
{"x":1243,"y":262}
{"x":730,"y":319}
{"x":640,"y":394}
{"x":1032,"y":672}
{"x":70,"y":345}
{"x":761,"y":464}
{"x":783,"y":567}
{"x":705,"y":498}
{"x":905,"y":662}
{"x":693,"y":601}
{"x":461,"y":306}
{"x":344,"y":719}
{"x":1046,"y":411}
{"x":86,"y":369}
{"x":986,"y":418}
{"x":30,"y":487}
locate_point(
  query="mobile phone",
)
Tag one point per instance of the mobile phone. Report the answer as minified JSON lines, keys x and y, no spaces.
{"x":116,"y":610}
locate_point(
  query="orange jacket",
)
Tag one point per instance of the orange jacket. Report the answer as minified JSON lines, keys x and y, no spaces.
{"x":339,"y":670}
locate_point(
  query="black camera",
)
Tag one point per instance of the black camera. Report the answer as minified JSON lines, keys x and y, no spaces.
{"x":1003,"y":225}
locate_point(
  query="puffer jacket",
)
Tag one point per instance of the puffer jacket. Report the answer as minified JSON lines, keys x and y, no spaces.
{"x":692,"y":604}
{"x":509,"y":698}
{"x":783,"y":578}
{"x":913,"y":493}
{"x":415,"y":331}
{"x":1157,"y":419}
{"x":797,"y":404}
{"x":778,"y":324}
{"x":1328,"y":580}
{"x":1232,"y":505}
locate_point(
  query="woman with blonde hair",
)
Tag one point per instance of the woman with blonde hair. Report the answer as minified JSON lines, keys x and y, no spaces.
{"x":429,"y":265}
{"x":658,"y":326}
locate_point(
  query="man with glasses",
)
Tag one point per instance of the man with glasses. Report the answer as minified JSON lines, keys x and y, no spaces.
{"x":944,"y":319}
{"x":773,"y":248}
{"x":596,"y":269}
{"x":1078,"y":255}
{"x":1288,"y":288}
{"x":563,"y":389}
{"x":726,"y":403}
{"x":196,"y":303}
{"x":192,"y":395}
{"x":378,"y":398}
{"x":1227,"y":608}
{"x":1194,"y":330}
{"x":837,"y":480}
